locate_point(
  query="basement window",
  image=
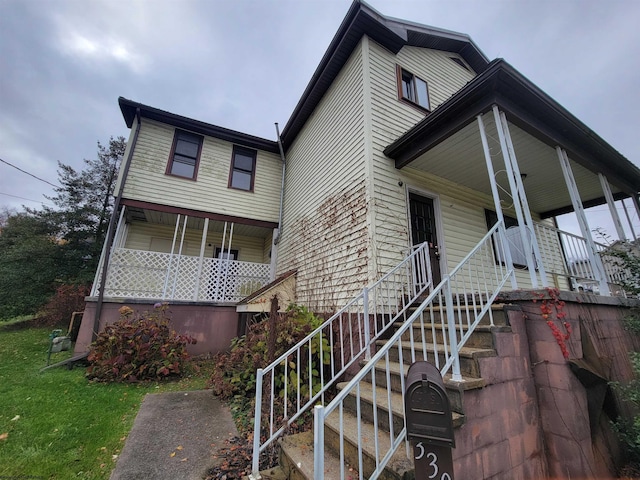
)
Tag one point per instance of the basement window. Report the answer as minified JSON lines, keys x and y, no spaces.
{"x":413,"y":89}
{"x":243,"y":169}
{"x":185,"y":155}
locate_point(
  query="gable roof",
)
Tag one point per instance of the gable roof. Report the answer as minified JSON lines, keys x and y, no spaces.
{"x":129,"y":109}
{"x":528,"y":107}
{"x":391,"y":33}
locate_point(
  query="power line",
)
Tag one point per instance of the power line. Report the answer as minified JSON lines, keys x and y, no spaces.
{"x":22,"y":198}
{"x":30,"y":174}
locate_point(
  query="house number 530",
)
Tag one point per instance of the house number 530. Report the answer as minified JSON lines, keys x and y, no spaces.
{"x":432,"y":460}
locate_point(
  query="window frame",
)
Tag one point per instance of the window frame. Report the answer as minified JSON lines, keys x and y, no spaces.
{"x":247,"y":152}
{"x":168,"y":170}
{"x":400,"y":74}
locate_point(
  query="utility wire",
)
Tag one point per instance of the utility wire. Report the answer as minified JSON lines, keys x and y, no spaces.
{"x":30,"y":174}
{"x":22,"y":198}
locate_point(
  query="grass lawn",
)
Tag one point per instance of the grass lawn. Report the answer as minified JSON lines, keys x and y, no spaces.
{"x":57,"y":425}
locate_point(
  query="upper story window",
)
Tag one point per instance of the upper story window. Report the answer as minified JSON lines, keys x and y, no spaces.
{"x":185,"y":155}
{"x":413,"y":89}
{"x":243,"y":169}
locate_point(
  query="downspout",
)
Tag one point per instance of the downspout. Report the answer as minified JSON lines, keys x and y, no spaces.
{"x":111,"y":230}
{"x":278,"y":232}
{"x":284,"y":168}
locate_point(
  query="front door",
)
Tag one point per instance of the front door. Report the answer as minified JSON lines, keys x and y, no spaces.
{"x":423,"y":229}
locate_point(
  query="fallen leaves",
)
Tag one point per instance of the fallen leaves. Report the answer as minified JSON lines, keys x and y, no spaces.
{"x":4,"y":436}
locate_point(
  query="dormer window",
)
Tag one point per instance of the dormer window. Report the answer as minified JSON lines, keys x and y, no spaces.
{"x":185,"y":155}
{"x":413,"y":89}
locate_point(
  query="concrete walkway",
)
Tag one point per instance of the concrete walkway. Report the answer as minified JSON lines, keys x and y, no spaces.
{"x":175,"y":436}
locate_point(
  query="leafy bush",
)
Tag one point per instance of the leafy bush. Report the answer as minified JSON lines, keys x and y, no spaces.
{"x":629,"y":430}
{"x":67,"y":299}
{"x":235,"y":372}
{"x":136,"y":349}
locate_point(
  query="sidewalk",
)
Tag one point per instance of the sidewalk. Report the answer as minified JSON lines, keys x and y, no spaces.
{"x":175,"y":436}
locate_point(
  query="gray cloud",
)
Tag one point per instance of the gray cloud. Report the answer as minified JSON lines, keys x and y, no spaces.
{"x":244,"y":64}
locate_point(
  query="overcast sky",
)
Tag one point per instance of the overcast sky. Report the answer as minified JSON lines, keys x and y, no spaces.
{"x":244,"y":65}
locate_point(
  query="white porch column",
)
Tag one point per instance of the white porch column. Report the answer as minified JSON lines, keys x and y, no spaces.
{"x":594,"y":258}
{"x":116,"y":244}
{"x":176,"y":277}
{"x":626,"y":212}
{"x":606,"y":188}
{"x":496,"y":202}
{"x":203,"y":245}
{"x":509,"y":162}
{"x":173,"y":246}
{"x":636,"y":203}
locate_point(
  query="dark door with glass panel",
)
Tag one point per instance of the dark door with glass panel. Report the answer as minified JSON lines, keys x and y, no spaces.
{"x":423,"y":229}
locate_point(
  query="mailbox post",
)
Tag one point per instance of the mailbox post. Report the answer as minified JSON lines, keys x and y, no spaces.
{"x":429,"y":422}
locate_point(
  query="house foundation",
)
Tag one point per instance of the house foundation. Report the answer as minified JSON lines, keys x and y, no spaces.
{"x":213,"y":326}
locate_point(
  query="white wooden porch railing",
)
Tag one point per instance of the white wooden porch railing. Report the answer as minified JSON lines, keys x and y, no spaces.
{"x":456,"y":305}
{"x":349,"y":335}
{"x":155,"y":275}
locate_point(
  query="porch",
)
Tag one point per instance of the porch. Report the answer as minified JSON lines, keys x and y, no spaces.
{"x":529,"y":161}
{"x":162,"y":255}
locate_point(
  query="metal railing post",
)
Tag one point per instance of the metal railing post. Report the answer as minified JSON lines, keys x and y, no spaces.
{"x":451,"y":326}
{"x":367,"y":333}
{"x":255,"y":466}
{"x":318,"y":442}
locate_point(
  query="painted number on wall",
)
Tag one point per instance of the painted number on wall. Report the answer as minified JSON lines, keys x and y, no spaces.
{"x":431,"y":459}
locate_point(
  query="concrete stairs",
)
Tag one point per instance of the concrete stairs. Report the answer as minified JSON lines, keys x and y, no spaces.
{"x":297,"y":450}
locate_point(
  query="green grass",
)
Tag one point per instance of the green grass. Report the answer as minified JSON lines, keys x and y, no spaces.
{"x":57,"y":424}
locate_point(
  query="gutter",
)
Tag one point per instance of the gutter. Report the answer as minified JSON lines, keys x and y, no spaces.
{"x":111,"y":231}
{"x":284,"y":168}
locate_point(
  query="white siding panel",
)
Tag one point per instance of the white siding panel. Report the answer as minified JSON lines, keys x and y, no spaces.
{"x":141,"y":235}
{"x":462,"y":210}
{"x":209,"y":192}
{"x":324,"y":233}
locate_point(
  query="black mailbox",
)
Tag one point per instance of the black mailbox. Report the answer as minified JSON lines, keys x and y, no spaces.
{"x":426,"y":406}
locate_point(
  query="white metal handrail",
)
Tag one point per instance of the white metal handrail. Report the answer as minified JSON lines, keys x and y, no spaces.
{"x":349,"y":335}
{"x":456,"y":306}
{"x":566,"y":254}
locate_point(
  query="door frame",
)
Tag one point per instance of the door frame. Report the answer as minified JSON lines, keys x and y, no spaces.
{"x":438,"y":217}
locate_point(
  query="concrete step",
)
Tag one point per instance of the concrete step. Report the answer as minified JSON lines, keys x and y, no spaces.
{"x":462,"y":311}
{"x":482,"y":336}
{"x":469,"y":366}
{"x":382,"y":401}
{"x":455,"y":389}
{"x":296,"y":459}
{"x":398,"y":468}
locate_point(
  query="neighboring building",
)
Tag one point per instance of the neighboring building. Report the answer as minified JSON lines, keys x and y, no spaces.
{"x":405,"y":134}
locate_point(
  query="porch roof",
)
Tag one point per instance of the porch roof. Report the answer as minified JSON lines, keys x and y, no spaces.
{"x":538,"y":124}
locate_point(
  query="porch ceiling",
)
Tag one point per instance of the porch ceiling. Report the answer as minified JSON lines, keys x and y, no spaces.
{"x":135,"y":214}
{"x":460,"y":159}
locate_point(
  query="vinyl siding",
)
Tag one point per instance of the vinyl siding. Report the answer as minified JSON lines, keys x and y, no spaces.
{"x":140,"y":235}
{"x":209,"y":193}
{"x":324,"y":227}
{"x":461,"y":209}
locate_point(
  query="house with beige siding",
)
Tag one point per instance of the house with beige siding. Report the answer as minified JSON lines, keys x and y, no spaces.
{"x":405,"y":135}
{"x":411,"y":194}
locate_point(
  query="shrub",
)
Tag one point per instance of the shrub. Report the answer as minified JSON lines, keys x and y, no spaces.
{"x":235,"y":372}
{"x":136,"y":349}
{"x":58,"y":310}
